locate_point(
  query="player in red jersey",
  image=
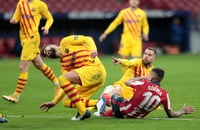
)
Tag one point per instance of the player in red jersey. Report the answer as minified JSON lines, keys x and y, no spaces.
{"x":148,"y":97}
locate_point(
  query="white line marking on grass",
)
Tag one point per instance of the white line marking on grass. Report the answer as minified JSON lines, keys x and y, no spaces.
{"x":32,"y":116}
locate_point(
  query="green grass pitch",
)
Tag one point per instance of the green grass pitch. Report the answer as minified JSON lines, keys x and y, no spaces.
{"x":182,"y":81}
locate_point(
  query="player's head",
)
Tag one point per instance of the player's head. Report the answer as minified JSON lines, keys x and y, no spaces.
{"x":49,"y":51}
{"x":134,"y":3}
{"x":149,"y":56}
{"x":157,"y":74}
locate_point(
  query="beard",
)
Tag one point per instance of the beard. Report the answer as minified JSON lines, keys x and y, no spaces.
{"x":53,"y":54}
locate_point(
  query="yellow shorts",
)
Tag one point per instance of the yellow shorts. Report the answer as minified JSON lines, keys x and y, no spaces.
{"x":92,"y":78}
{"x":128,"y":46}
{"x":30,"y":47}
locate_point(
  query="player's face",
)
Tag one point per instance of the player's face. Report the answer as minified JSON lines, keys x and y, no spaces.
{"x":134,"y":3}
{"x":148,"y":57}
{"x":50,"y":51}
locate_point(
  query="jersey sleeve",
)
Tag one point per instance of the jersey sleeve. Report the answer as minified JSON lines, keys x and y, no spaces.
{"x":117,"y":21}
{"x":166,"y":103}
{"x":137,"y":84}
{"x":80,"y":40}
{"x":145,"y":25}
{"x":16,"y":14}
{"x":127,"y":62}
{"x":45,"y":12}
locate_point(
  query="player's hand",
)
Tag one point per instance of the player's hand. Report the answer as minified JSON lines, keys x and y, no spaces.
{"x":145,"y":37}
{"x":94,"y":54}
{"x":47,"y":106}
{"x":102,"y":37}
{"x":188,"y":110}
{"x":13,"y":21}
{"x":115,"y":61}
{"x":45,"y":31}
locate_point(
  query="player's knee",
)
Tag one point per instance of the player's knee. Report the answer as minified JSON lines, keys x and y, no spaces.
{"x":38,"y":65}
{"x":117,"y":90}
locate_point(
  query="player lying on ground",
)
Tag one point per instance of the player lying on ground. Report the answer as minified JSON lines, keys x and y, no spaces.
{"x":2,"y":119}
{"x":148,"y":96}
{"x":81,"y":66}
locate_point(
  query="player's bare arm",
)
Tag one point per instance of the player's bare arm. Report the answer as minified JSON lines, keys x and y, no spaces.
{"x":184,"y":110}
{"x":102,"y":37}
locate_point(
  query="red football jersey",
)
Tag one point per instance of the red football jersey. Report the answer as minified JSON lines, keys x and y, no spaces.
{"x":148,"y":96}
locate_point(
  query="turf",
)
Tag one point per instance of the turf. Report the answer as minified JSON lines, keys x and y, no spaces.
{"x":181,"y":81}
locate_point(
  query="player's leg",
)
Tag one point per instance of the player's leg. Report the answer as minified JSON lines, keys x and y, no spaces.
{"x":115,"y":102}
{"x":124,"y":51}
{"x":28,"y":53}
{"x":47,"y":71}
{"x":66,"y":82}
{"x":87,"y":102}
{"x":136,"y":49}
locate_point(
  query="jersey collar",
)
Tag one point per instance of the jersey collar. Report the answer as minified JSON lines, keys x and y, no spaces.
{"x":153,"y":82}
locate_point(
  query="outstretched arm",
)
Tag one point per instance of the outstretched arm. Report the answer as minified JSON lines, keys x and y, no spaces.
{"x":184,"y":110}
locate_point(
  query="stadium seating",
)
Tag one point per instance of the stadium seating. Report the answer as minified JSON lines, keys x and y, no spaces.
{"x":63,"y":6}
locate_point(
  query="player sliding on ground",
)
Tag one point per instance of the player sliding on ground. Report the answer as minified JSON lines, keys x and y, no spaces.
{"x":80,"y":65}
{"x":148,"y":97}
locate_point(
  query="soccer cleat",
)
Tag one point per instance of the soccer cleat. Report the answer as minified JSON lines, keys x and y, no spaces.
{"x":3,"y":120}
{"x":12,"y":98}
{"x":79,"y":117}
{"x":101,"y":106}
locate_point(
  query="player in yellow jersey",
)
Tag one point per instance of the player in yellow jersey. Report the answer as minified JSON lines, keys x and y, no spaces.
{"x":136,"y":68}
{"x":29,"y":13}
{"x":81,"y":66}
{"x":135,"y":27}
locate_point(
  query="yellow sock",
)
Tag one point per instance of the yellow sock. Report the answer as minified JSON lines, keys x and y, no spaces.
{"x":22,"y":80}
{"x":47,"y":71}
{"x":72,"y":93}
{"x":89,"y":102}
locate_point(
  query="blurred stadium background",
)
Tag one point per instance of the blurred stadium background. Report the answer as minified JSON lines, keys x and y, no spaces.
{"x":91,"y":17}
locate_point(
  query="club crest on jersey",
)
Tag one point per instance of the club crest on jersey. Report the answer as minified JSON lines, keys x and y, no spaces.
{"x":66,"y":50}
{"x":33,"y":9}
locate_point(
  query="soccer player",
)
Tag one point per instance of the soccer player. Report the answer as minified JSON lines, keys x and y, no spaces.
{"x":28,"y":13}
{"x":136,"y":68}
{"x":2,"y":119}
{"x":148,"y":97}
{"x":135,"y":24}
{"x":81,"y":66}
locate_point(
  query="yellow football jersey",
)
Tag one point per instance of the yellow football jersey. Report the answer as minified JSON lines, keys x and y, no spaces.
{"x":29,"y":15}
{"x":76,"y":50}
{"x":134,"y":22}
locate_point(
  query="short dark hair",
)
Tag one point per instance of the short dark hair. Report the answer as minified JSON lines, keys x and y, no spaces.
{"x":152,"y":49}
{"x":159,"y":74}
{"x":42,"y":50}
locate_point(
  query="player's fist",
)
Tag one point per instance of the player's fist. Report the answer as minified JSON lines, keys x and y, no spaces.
{"x":145,"y":37}
{"x":94,"y":54}
{"x":45,"y":31}
{"x":115,"y":61}
{"x":13,"y":21}
{"x":102,"y":37}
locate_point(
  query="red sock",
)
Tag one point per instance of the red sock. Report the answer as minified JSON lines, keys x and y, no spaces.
{"x":108,"y":98}
{"x":108,"y":113}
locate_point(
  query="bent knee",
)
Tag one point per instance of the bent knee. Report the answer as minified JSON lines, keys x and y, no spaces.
{"x":117,"y":90}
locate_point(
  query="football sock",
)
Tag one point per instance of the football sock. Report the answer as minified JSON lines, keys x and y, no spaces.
{"x":108,"y":113}
{"x":72,"y":93}
{"x":22,"y":80}
{"x":47,"y":71}
{"x":108,"y":99}
{"x":87,"y":102}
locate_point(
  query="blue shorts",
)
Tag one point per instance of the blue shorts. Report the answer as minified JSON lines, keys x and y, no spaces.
{"x":116,"y":101}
